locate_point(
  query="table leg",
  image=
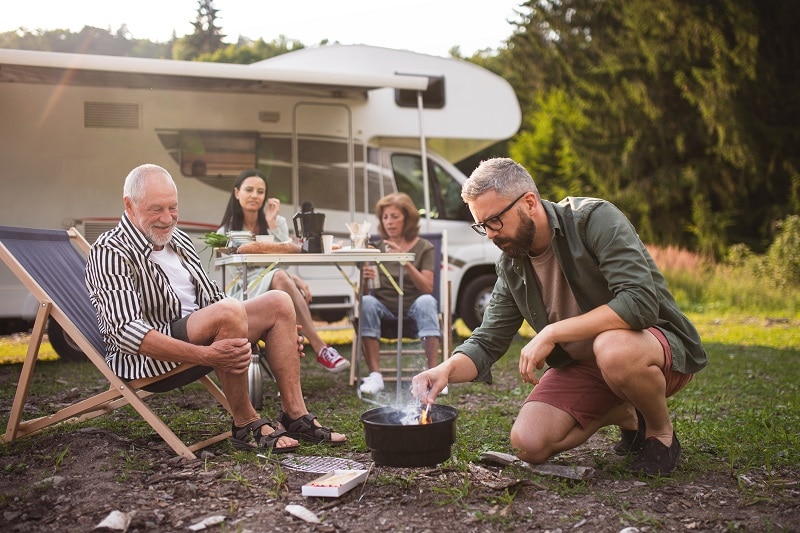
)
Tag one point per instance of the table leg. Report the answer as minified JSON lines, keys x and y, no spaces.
{"x":400,"y":314}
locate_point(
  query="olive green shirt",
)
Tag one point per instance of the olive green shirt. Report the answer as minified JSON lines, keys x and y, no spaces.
{"x":386,"y":293}
{"x":604,"y":262}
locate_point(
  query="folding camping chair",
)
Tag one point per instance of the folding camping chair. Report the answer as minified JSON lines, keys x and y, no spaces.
{"x":52,"y":269}
{"x":399,"y":372}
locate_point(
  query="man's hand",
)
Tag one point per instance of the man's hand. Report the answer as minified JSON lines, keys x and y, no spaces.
{"x":300,"y":340}
{"x":232,"y":355}
{"x":532,"y":356}
{"x":425,"y":386}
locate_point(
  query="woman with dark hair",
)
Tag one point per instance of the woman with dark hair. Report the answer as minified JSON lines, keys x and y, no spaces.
{"x":398,"y":224}
{"x":250,"y":208}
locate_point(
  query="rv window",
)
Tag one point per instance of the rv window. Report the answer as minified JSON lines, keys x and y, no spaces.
{"x":323,"y":172}
{"x":379,"y":179}
{"x":432,"y":97}
{"x":275,"y":162}
{"x":213,"y":157}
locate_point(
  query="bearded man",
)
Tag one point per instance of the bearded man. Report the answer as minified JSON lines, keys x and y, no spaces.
{"x":613,"y":339}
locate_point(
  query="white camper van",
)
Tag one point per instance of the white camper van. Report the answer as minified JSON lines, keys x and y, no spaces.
{"x":337,"y":126}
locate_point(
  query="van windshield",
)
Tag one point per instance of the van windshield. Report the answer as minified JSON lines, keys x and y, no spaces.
{"x":445,"y":197}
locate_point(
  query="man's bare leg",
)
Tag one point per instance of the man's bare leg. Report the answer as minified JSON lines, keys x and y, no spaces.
{"x":541,"y":430}
{"x":227,"y":320}
{"x":632,"y":363}
{"x":271,"y":318}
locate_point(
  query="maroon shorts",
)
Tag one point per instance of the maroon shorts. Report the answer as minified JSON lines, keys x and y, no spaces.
{"x":579,"y":389}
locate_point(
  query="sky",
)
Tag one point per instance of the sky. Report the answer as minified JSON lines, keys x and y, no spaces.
{"x":425,"y":26}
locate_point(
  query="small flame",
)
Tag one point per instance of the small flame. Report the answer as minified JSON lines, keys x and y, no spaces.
{"x":423,"y":418}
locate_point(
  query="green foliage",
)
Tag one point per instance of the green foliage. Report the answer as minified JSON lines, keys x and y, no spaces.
{"x":546,"y":150}
{"x":690,"y":118}
{"x":746,"y":281}
{"x":89,"y":40}
{"x":246,"y":51}
{"x":783,"y":255}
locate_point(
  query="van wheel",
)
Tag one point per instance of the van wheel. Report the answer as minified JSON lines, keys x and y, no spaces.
{"x":475,"y":299}
{"x":64,"y":346}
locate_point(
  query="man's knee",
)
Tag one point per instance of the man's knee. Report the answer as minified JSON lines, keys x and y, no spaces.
{"x":279,"y":302}
{"x":528,"y":447}
{"x":230,"y":310}
{"x":611,"y":350}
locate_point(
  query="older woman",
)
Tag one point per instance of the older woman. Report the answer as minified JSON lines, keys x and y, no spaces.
{"x":246,"y":211}
{"x":398,"y":224}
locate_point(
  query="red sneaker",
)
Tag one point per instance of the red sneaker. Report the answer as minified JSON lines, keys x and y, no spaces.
{"x":331,"y":360}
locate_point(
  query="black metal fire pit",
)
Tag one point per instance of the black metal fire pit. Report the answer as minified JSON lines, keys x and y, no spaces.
{"x":396,"y":439}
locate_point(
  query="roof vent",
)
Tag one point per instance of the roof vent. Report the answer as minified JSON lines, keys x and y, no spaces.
{"x":111,"y":115}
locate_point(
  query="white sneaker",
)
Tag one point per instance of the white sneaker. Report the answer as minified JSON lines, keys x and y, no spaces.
{"x":445,"y":391}
{"x":373,"y":384}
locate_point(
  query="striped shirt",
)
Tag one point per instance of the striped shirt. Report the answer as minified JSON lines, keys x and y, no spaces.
{"x":132,"y":295}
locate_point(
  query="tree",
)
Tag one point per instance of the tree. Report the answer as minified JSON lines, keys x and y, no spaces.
{"x":685,"y":113}
{"x":89,"y":40}
{"x":206,"y":38}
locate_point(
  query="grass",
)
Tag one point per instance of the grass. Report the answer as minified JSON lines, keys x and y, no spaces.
{"x":740,"y":413}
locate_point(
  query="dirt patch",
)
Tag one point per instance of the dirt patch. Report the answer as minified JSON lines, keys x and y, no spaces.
{"x":103,"y":472}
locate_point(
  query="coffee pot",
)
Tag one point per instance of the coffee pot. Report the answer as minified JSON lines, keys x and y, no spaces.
{"x":309,"y":229}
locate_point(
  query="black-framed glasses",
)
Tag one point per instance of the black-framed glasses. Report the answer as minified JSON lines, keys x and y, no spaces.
{"x":494,"y":223}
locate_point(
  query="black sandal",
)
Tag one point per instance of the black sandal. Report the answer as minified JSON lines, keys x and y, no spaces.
{"x":250,"y":437}
{"x":304,"y":428}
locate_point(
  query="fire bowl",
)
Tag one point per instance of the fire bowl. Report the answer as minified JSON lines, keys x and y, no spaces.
{"x":396,"y":442}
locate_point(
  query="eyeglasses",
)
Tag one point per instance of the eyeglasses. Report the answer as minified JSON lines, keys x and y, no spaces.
{"x":494,"y":223}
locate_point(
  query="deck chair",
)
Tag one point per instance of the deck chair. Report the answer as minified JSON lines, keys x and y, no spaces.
{"x":52,"y":269}
{"x":396,"y":371}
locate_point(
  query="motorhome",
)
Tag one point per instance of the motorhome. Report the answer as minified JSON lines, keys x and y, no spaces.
{"x":337,"y":126}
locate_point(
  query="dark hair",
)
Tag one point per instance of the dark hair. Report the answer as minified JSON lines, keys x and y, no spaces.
{"x":404,"y":203}
{"x":233,"y":219}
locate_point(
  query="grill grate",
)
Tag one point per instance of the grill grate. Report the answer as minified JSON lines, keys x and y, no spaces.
{"x":317,"y":464}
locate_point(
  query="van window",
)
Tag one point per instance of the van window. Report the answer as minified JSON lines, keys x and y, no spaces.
{"x":445,"y":191}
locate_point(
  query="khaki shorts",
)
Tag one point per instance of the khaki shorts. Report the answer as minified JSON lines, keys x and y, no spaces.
{"x":579,"y":389}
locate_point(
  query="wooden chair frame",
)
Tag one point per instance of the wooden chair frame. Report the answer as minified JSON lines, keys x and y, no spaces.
{"x":120,"y":392}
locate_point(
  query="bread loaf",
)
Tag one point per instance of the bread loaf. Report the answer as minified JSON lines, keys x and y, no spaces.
{"x":268,"y":248}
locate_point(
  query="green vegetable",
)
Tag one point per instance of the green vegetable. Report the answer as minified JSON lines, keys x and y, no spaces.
{"x":215,"y":240}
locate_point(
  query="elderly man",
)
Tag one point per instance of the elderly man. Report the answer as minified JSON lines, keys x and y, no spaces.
{"x":157,"y":308}
{"x":613,"y":338}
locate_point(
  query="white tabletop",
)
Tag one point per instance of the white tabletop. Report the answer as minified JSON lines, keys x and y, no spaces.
{"x":335,"y":258}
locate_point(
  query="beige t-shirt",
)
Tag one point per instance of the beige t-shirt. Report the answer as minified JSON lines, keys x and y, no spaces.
{"x":559,"y":300}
